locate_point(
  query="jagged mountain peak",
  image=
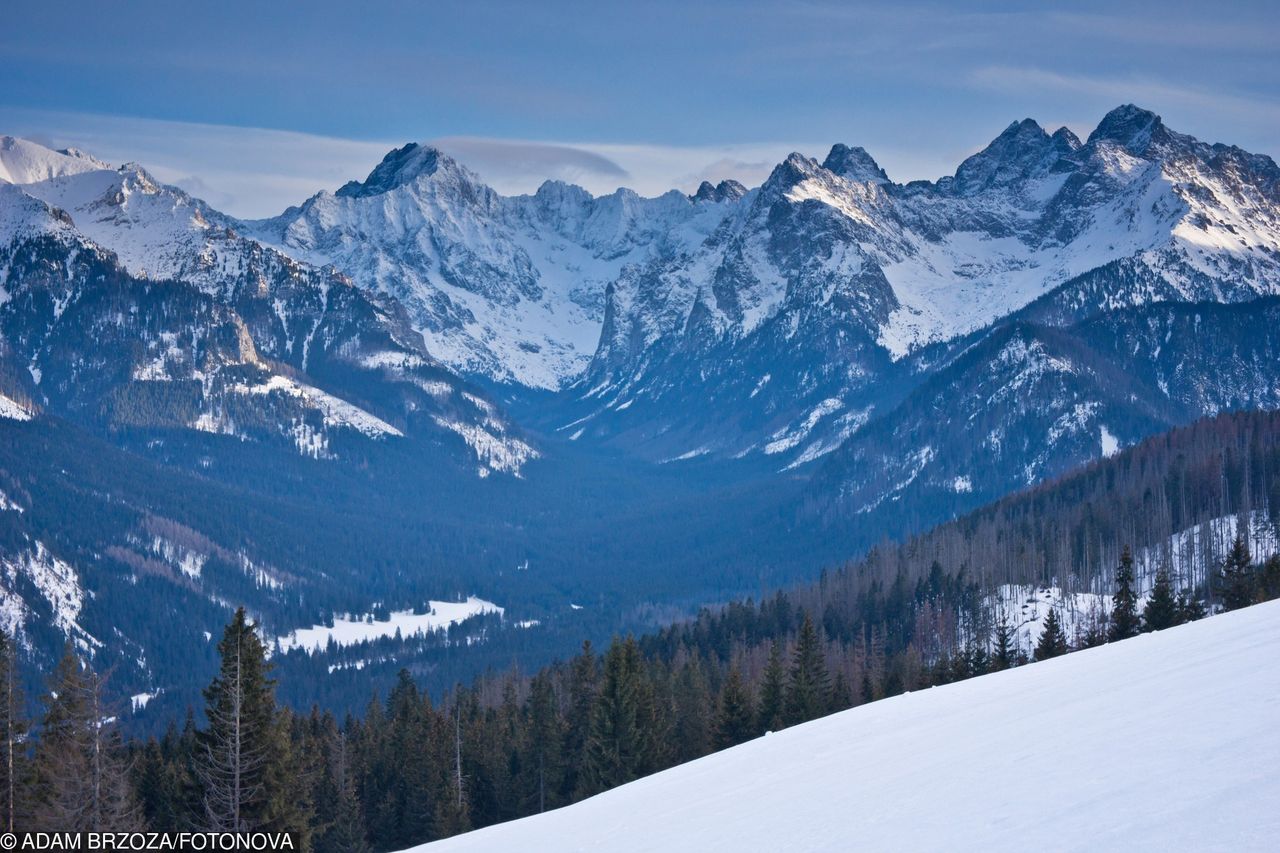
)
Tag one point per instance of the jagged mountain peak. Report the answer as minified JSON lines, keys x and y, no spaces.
{"x":556,"y":192}
{"x":795,"y":169}
{"x":405,"y":165}
{"x":1130,"y":127}
{"x":726,"y":190}
{"x":1064,"y":138}
{"x":1022,"y":151}
{"x":854,"y":163}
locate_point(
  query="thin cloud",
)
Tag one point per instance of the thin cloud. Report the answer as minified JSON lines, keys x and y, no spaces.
{"x":1118,"y":90}
{"x":247,"y":172}
{"x":513,"y":165}
{"x":257,"y":172}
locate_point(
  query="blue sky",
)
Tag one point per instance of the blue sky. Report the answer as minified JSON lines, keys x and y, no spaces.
{"x":256,"y":105}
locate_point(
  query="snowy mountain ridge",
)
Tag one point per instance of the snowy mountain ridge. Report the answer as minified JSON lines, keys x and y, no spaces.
{"x":510,"y":288}
{"x":271,"y":316}
{"x":846,"y":282}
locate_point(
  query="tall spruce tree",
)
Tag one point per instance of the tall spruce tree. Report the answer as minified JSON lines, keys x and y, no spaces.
{"x":808,"y":693}
{"x":1236,"y":579}
{"x":619,"y":747}
{"x":545,"y":743}
{"x":1053,"y":641}
{"x":453,"y":809}
{"x":1161,"y":610}
{"x":344,"y":831}
{"x":13,"y":732}
{"x":1003,"y":651}
{"x":81,"y":779}
{"x":692,"y":712}
{"x":772,"y":692}
{"x":245,"y":763}
{"x":735,"y":718}
{"x":584,"y":677}
{"x":1124,"y":609}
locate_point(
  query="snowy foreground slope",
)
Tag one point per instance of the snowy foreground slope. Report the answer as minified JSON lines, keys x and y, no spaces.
{"x":1165,"y":742}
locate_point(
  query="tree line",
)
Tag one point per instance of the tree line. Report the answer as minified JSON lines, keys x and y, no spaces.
{"x":412,"y":770}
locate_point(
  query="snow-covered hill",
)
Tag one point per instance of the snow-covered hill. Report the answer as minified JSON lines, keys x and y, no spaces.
{"x":1163,"y":742}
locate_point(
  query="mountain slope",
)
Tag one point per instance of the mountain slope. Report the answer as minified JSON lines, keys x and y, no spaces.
{"x":1160,"y":742}
{"x":1027,"y":402}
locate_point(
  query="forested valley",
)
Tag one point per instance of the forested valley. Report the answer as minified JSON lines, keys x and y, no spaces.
{"x":413,"y":767}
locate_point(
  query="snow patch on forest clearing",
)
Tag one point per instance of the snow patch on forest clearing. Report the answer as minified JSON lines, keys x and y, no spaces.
{"x":351,"y":630}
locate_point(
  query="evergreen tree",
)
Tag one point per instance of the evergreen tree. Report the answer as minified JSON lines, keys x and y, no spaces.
{"x":584,"y":676}
{"x":1270,"y":578}
{"x":545,"y":739}
{"x":1003,"y":653}
{"x":772,"y":692}
{"x":453,"y":814}
{"x":1190,"y":608}
{"x":404,"y":767}
{"x":735,"y":720}
{"x":1053,"y":641}
{"x":1236,"y":578}
{"x":1124,"y":610}
{"x":165,"y":781}
{"x":841,"y":694}
{"x":245,"y":763}
{"x":345,"y":831}
{"x":808,"y":686}
{"x":1161,"y":610}
{"x":13,"y":731}
{"x":81,"y":780}
{"x":979,"y":658}
{"x":617,"y":749}
{"x":692,"y":712}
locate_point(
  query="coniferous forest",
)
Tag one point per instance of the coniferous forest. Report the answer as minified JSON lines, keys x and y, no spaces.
{"x":412,"y":767}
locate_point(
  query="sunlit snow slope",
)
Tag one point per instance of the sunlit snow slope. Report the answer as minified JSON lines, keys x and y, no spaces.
{"x":1164,"y":742}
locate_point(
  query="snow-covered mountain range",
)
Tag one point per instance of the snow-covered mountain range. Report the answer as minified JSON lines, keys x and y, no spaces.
{"x":511,"y":289}
{"x":829,"y":288}
{"x":913,"y":349}
{"x":117,"y":287}
{"x":894,"y":337}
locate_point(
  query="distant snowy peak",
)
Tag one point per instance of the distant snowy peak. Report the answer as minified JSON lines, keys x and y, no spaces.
{"x":854,"y":164}
{"x":25,"y":162}
{"x":407,"y":164}
{"x":727,"y":190}
{"x":1025,"y":150}
{"x":1131,"y":127}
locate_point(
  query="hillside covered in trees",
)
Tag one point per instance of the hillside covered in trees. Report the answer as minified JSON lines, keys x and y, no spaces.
{"x":923,"y":613}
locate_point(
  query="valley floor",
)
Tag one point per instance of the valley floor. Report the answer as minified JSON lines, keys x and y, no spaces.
{"x":1168,"y":741}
